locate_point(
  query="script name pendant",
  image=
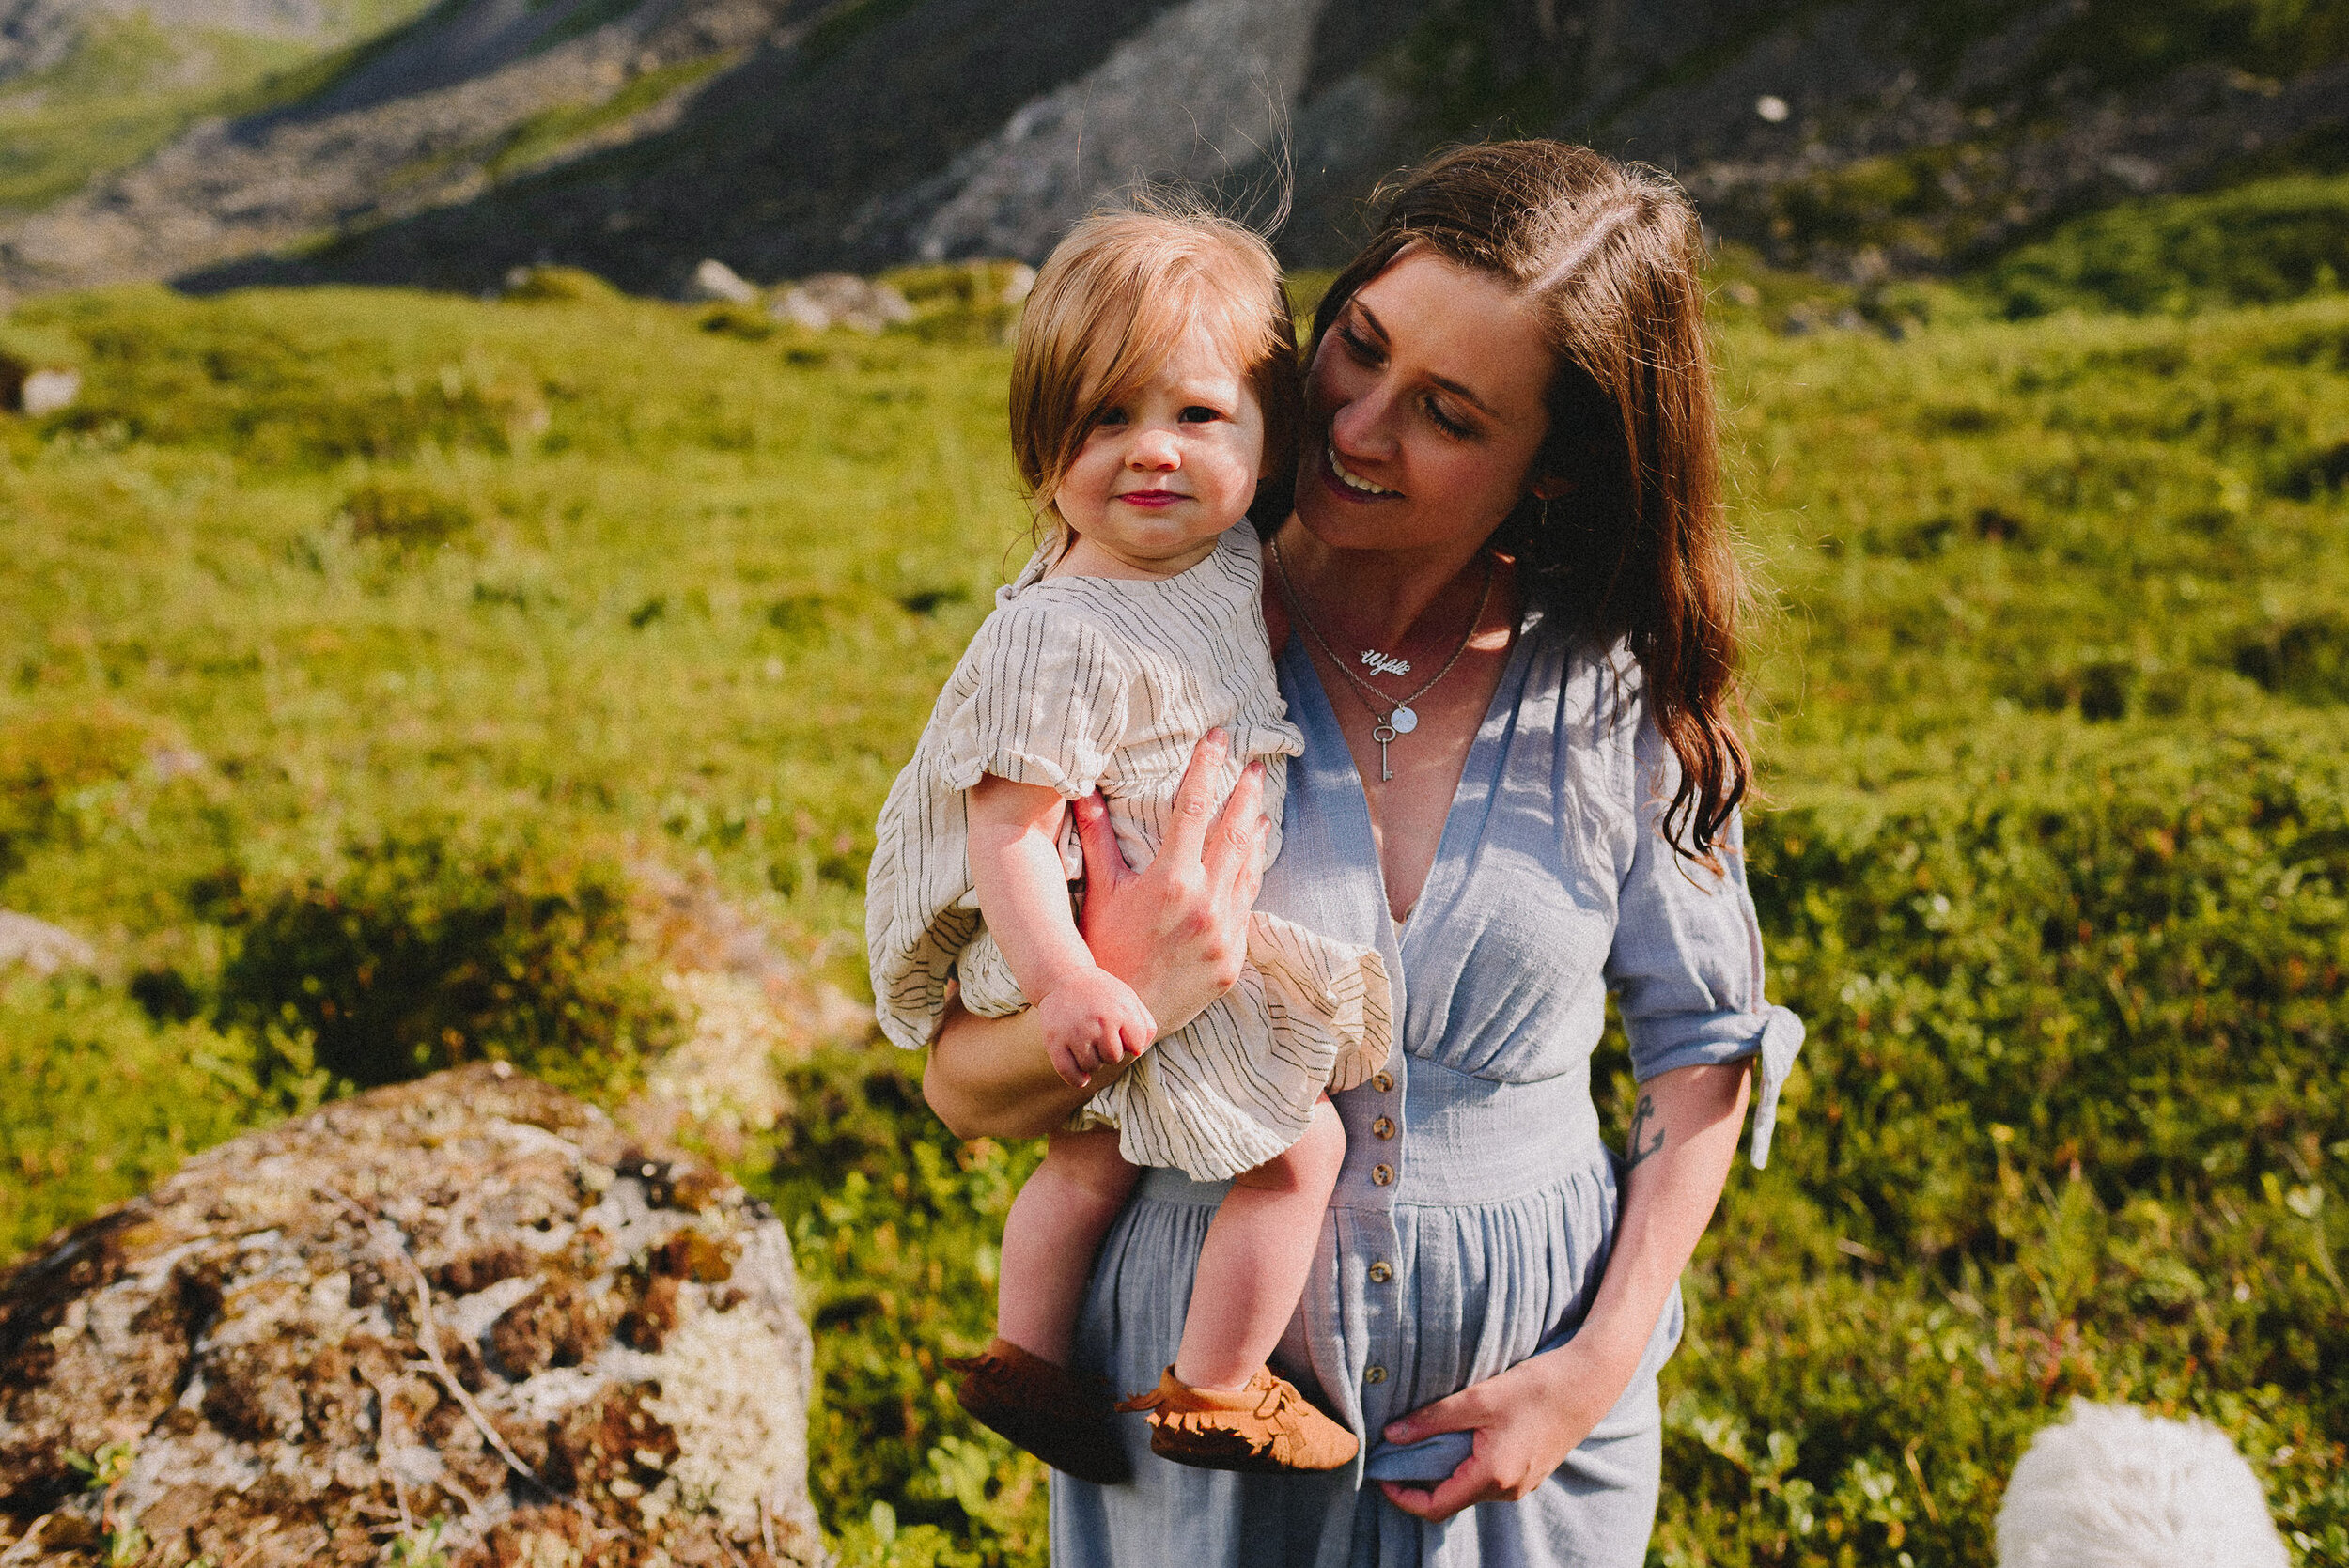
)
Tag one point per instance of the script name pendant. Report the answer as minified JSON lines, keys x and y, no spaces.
{"x":1386,"y":664}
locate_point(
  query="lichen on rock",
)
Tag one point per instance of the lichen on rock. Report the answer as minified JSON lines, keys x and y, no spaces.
{"x":466,"y":1299}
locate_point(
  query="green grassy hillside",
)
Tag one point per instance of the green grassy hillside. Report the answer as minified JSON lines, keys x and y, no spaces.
{"x":351,"y":644}
{"x":129,"y":85}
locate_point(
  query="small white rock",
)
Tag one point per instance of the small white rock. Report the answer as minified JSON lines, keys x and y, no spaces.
{"x":42,"y":947}
{"x":47,"y":391}
{"x":714,"y":282}
{"x":799,"y":307}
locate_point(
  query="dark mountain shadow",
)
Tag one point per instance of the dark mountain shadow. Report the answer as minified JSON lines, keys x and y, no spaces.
{"x":766,"y":171}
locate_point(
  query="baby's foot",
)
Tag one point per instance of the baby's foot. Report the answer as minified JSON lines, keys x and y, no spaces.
{"x":1043,"y":1408}
{"x":1267,"y":1427}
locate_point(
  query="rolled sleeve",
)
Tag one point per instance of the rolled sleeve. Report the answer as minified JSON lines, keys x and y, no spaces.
{"x":1686,"y":960}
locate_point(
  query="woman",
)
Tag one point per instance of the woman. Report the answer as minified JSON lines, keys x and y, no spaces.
{"x":1505,"y":606}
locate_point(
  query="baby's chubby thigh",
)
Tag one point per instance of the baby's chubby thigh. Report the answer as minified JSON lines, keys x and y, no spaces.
{"x":1307,"y":1169}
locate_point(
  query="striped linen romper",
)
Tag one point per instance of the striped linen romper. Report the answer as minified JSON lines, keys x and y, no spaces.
{"x":1075,"y":682}
{"x":1477,"y":1203}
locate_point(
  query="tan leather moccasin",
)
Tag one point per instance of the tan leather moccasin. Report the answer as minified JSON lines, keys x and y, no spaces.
{"x":1044,"y":1409}
{"x":1267,"y":1427}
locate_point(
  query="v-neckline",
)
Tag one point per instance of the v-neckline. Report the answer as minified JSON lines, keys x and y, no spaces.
{"x":1322,"y":724}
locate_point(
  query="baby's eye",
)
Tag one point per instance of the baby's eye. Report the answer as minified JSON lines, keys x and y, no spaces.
{"x":1108,"y":416}
{"x":1199,"y":414}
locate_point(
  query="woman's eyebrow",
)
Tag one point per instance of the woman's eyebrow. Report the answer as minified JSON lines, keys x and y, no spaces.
{"x":1464,"y":394}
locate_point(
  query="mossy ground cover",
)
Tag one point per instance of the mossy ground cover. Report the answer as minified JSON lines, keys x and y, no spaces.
{"x":351,"y":642}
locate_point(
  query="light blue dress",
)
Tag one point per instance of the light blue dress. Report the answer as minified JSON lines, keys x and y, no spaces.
{"x":1473,"y":1215}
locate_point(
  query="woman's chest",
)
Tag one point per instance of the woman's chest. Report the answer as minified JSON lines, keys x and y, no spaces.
{"x":1410,"y":759}
{"x":1501,"y":968}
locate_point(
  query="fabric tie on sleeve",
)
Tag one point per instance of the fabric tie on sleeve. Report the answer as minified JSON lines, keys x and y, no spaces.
{"x":1781,"y":1037}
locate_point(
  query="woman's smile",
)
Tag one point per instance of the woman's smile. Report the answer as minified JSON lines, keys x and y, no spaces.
{"x":1357,"y":488}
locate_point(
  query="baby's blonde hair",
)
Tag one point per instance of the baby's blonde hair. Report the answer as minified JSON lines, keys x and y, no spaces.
{"x":1107,"y":311}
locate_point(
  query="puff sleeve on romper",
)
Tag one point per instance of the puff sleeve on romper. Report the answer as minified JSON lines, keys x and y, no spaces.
{"x":1074,"y":683}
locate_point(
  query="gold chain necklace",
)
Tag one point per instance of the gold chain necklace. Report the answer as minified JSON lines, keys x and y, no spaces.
{"x":1399,"y":719}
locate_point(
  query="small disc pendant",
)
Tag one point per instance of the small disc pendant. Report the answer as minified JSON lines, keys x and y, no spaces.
{"x":1402,"y":721}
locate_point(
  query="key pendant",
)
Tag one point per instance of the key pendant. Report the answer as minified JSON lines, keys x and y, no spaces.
{"x":1384,"y":734}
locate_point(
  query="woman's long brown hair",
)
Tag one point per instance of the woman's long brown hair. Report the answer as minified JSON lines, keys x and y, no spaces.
{"x":1639,"y":550}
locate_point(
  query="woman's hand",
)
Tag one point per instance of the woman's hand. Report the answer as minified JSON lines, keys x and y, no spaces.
{"x":1176,"y":931}
{"x":1525,"y":1423}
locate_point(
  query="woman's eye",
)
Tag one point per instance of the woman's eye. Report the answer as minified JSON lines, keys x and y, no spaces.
{"x":1444,"y":421}
{"x":1199,"y":414}
{"x":1357,"y":345}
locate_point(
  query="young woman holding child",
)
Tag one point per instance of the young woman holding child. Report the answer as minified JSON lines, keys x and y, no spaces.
{"x":1504,"y":621}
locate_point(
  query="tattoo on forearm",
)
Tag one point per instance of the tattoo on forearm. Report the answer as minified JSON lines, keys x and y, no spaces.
{"x":1641,"y":1115}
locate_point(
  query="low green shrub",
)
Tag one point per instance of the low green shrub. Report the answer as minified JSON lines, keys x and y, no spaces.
{"x":895,"y":1226}
{"x":2070,"y":1122}
{"x":426,"y":947}
{"x":103,"y":1101}
{"x":2262,"y":243}
{"x":406,"y":514}
{"x":48,"y":755}
{"x":2306,"y":658}
{"x":556,"y":285}
{"x":747,"y":322}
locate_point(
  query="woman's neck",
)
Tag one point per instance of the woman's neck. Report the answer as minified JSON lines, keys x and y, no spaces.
{"x":1374,"y":596}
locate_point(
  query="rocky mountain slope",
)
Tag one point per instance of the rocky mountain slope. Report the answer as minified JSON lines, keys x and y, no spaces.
{"x":635,"y":137}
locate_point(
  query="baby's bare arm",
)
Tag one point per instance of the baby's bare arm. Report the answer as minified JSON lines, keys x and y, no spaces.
{"x":1090,"y":1019}
{"x":1023,"y":893}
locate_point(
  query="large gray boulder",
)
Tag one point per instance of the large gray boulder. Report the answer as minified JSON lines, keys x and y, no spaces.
{"x":465,"y":1299}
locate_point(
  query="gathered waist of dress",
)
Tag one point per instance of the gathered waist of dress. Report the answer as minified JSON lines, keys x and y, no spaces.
{"x":1469,"y":1140}
{"x":1461,"y":1141}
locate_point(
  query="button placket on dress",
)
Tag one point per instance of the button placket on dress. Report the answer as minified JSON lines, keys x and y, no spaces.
{"x":1372,"y":1176}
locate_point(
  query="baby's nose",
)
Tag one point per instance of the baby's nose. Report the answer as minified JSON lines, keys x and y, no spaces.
{"x":1155,"y":449}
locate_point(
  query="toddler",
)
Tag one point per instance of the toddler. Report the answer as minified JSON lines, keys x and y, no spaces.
{"x":1155,"y":370}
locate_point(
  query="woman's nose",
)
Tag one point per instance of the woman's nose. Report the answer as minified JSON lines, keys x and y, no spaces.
{"x":1361,"y":425}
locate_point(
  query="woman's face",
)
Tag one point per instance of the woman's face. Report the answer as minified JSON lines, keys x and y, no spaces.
{"x":1424,"y":410}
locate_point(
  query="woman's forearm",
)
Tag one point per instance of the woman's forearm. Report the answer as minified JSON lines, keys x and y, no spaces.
{"x":1527,"y":1419}
{"x":990,"y":1078}
{"x":1684,"y":1137}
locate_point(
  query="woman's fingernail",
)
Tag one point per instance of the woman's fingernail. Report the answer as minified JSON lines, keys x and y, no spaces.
{"x":1396,"y":1433}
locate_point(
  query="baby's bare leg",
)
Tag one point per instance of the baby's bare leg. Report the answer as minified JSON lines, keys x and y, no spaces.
{"x":1055,"y":1226}
{"x":1259,"y":1248}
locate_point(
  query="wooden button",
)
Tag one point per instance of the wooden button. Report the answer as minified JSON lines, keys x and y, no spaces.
{"x":1383,"y":1082}
{"x":1381,"y":1174}
{"x":1380,"y":1273}
{"x":1375,"y":1375}
{"x":1383,"y":1128}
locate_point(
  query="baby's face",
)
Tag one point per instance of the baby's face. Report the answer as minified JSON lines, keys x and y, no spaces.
{"x":1168,"y":469}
